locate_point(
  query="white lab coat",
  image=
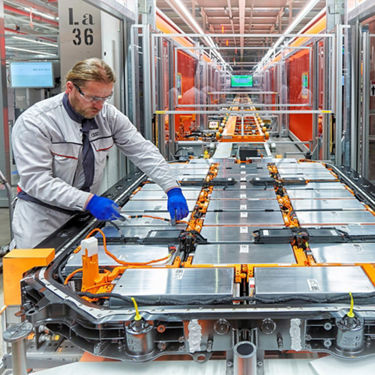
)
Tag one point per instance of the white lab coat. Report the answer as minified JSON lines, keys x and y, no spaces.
{"x":47,"y":147}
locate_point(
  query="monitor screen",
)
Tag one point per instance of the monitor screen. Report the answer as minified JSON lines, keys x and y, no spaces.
{"x":241,"y":81}
{"x":30,"y":74}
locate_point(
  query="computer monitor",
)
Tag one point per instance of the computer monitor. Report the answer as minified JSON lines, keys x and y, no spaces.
{"x":241,"y":81}
{"x":31,"y":74}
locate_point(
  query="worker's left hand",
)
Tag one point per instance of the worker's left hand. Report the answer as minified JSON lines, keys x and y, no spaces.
{"x":177,"y":206}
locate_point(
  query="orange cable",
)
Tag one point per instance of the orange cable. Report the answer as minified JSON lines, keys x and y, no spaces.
{"x":72,"y":274}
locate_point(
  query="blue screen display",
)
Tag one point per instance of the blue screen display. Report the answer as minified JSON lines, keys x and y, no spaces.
{"x":31,"y":74}
{"x":241,"y":81}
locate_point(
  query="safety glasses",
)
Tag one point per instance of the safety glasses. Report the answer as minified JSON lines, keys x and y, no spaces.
{"x":92,"y":98}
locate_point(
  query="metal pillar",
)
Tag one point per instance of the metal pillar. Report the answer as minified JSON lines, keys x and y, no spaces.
{"x":161,"y":63}
{"x":315,"y":101}
{"x":147,"y":100}
{"x":327,"y":100}
{"x":335,"y":11}
{"x":172,"y":100}
{"x":365,"y":102}
{"x":245,"y":358}
{"x":338,"y":101}
{"x":147,"y":8}
{"x":356,"y":74}
{"x":134,"y":77}
{"x":16,"y":335}
{"x":4,"y":125}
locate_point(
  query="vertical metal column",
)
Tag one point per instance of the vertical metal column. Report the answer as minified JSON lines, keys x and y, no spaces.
{"x":338,"y":101}
{"x":356,"y":74}
{"x":160,"y":98}
{"x":365,"y":102}
{"x":327,"y":100}
{"x":315,"y":99}
{"x":172,"y":58}
{"x":244,"y":358}
{"x":16,"y":335}
{"x":134,"y":93}
{"x":280,"y":90}
{"x":4,"y":126}
{"x":147,"y":107}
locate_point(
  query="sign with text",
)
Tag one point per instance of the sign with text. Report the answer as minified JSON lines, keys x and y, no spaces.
{"x":80,"y":33}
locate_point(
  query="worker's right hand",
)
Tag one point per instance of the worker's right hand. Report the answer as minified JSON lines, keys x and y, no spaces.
{"x":103,"y":208}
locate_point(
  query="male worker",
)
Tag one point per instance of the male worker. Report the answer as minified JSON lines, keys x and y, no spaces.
{"x":60,"y":146}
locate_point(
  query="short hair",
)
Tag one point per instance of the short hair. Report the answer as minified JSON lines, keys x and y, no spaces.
{"x":92,"y":69}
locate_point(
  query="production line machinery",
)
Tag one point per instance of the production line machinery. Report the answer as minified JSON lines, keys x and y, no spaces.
{"x":276,"y":256}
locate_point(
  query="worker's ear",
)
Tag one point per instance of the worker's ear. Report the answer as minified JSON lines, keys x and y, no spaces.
{"x":69,"y":87}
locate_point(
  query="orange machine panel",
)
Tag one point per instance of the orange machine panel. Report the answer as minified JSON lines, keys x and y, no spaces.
{"x":298,"y":66}
{"x":15,"y":264}
{"x":186,"y":66}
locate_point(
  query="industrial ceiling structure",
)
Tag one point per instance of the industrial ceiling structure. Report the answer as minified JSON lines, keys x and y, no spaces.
{"x":266,"y":18}
{"x":32,"y":26}
{"x":31,"y":29}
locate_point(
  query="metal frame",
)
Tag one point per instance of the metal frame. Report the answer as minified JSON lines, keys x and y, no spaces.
{"x":338,"y":96}
{"x":365,"y":38}
{"x":188,"y":49}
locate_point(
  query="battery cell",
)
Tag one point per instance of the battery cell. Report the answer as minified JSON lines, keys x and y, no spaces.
{"x":317,"y":283}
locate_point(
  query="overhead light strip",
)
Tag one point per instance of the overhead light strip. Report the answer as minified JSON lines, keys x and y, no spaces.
{"x":35,"y":41}
{"x":34,"y":11}
{"x":30,"y":51}
{"x":184,"y":12}
{"x":309,"y":6}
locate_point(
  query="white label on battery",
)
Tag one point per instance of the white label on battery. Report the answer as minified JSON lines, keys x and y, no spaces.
{"x":244,"y":230}
{"x":266,"y":232}
{"x":244,"y":214}
{"x":243,"y":207}
{"x":313,"y":285}
{"x":244,"y":248}
{"x":243,"y":179}
{"x":243,"y":187}
{"x":243,"y":172}
{"x":179,"y":274}
{"x":242,"y":196}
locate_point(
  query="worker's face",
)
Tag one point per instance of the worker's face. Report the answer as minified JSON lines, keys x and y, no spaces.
{"x":88,"y":99}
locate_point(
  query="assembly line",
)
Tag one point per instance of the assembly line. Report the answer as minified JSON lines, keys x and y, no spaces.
{"x":231,"y":230}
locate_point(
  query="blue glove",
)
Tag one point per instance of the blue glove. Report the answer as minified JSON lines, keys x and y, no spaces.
{"x":177,"y":205}
{"x":103,"y":208}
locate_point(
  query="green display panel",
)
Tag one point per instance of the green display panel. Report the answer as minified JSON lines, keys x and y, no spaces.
{"x":242,"y":81}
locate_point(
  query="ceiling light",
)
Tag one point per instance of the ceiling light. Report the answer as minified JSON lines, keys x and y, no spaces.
{"x":309,"y":6}
{"x":33,"y":11}
{"x":183,"y":12}
{"x":34,"y":41}
{"x":30,"y":51}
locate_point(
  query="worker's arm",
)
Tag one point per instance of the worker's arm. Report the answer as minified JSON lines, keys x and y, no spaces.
{"x":147,"y":157}
{"x":141,"y":152}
